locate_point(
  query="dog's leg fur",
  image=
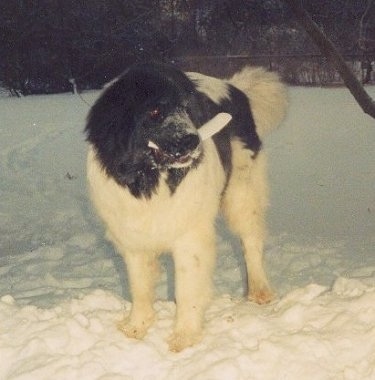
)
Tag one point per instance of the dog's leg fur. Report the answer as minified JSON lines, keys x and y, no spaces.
{"x":142,"y":269}
{"x":194,"y":258}
{"x":244,"y":205}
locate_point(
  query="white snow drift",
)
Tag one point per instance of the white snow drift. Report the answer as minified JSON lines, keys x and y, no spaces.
{"x":63,"y":288}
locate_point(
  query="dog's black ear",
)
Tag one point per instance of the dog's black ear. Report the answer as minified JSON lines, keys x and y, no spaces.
{"x":110,"y":127}
{"x":110,"y":120}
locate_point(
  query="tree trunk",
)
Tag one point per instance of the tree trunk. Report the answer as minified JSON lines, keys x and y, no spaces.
{"x":329,"y":50}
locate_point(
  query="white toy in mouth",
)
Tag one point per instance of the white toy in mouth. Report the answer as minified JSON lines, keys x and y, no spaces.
{"x":207,"y":130}
{"x":152,"y":145}
{"x":214,"y":125}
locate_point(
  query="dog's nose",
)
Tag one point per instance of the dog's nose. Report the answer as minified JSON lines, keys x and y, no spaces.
{"x":184,"y":145}
{"x":180,"y":147}
{"x":189,"y":142}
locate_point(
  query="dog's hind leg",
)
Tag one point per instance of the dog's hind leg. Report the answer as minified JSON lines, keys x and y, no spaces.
{"x":244,"y":205}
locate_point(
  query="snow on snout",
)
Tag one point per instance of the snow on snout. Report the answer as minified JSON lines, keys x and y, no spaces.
{"x":207,"y":130}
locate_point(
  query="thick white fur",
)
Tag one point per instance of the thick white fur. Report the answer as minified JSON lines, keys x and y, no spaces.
{"x":183,"y":224}
{"x":244,"y":204}
{"x":216,"y":89}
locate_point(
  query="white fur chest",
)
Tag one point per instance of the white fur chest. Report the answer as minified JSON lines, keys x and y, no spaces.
{"x":154,"y":224}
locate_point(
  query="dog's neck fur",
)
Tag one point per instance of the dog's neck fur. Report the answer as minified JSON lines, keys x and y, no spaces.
{"x":146,"y":186}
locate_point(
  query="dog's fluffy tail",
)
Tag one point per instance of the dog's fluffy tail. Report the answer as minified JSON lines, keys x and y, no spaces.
{"x":267,"y":95}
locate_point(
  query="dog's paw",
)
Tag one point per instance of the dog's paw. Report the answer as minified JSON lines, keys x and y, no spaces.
{"x":178,"y":341}
{"x":261,"y":296}
{"x":135,"y":330}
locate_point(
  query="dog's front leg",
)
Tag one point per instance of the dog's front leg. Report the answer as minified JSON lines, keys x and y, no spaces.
{"x":142,"y":270}
{"x":194,"y":258}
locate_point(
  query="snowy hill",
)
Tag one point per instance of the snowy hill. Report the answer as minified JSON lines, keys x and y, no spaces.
{"x":62,"y":286}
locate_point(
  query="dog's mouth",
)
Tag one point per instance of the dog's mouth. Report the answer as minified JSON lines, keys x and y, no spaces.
{"x":173,"y":159}
{"x":187,"y":149}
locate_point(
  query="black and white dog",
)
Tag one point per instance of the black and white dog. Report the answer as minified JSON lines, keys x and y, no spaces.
{"x":158,"y":184}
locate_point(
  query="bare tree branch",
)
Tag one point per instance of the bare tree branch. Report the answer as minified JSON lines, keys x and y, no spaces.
{"x":330,"y":51}
{"x":362,"y":20}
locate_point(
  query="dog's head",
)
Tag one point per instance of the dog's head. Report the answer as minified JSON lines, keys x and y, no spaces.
{"x":145,"y":123}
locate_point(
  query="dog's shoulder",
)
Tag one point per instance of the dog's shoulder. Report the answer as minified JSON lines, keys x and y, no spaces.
{"x":226,"y":97}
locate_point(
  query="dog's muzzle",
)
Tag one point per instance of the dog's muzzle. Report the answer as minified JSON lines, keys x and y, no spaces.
{"x":178,"y":153}
{"x":186,"y":148}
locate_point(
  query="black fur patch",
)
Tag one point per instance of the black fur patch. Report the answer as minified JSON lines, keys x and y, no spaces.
{"x":175,"y":177}
{"x":243,"y":124}
{"x":129,"y":113}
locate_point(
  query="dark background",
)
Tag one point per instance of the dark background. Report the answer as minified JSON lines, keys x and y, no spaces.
{"x":47,"y":45}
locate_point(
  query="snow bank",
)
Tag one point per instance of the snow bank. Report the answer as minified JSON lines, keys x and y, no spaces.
{"x":311,"y":333}
{"x":62,"y":286}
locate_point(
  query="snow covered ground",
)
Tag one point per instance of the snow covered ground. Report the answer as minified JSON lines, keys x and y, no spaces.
{"x":62,"y":287}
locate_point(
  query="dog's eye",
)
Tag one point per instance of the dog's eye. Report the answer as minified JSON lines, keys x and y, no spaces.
{"x":155,"y":113}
